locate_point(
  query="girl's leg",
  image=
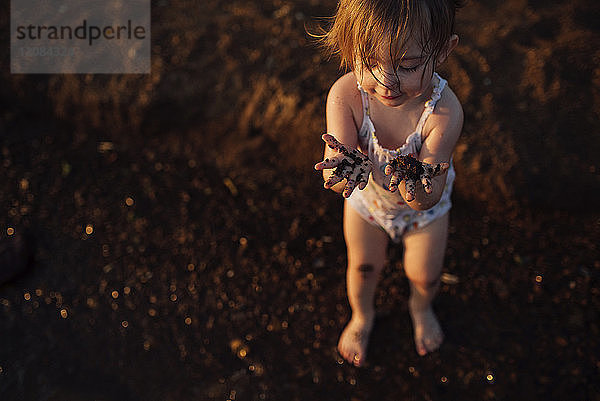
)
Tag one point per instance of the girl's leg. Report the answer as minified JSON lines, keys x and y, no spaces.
{"x":367,"y":246}
{"x":424,"y":251}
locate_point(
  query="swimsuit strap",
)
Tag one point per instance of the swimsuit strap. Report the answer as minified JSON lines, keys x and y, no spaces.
{"x":430,"y":104}
{"x":365,"y":101}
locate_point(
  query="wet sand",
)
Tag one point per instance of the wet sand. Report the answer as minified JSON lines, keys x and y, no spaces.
{"x":185,"y":248}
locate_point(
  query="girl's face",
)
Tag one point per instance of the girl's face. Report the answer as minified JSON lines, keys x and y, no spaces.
{"x":396,"y":82}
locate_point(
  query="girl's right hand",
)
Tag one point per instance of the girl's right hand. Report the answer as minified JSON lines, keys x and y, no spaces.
{"x":350,"y":164}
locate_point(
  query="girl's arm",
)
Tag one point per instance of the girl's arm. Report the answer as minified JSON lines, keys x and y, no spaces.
{"x":342,"y":100}
{"x":443,"y":129}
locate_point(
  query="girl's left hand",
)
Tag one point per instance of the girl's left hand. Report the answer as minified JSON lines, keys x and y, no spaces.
{"x":406,"y":167}
{"x":350,"y":164}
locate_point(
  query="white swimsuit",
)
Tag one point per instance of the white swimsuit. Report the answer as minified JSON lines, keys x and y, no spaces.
{"x":376,"y":203}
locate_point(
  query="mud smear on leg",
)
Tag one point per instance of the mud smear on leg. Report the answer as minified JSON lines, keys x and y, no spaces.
{"x":366,"y":270}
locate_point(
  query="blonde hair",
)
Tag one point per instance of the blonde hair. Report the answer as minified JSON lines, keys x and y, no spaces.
{"x":361,"y":29}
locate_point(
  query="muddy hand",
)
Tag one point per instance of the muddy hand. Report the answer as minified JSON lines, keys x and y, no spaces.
{"x":406,"y":167}
{"x":350,"y":164}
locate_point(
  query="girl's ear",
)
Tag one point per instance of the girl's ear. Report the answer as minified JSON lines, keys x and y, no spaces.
{"x":452,"y":42}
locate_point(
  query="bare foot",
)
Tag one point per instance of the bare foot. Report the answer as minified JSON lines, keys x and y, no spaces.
{"x":354,"y":340}
{"x":428,"y":333}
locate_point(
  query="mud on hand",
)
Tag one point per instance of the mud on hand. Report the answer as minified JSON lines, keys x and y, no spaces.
{"x":350,"y":164}
{"x":406,"y":167}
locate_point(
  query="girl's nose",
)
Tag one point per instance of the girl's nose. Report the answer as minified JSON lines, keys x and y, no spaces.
{"x":386,"y":76}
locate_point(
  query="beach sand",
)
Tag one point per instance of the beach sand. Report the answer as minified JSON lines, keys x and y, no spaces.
{"x":186,"y":250}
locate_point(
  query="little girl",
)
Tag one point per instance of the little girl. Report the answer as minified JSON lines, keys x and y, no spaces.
{"x":390,"y":105}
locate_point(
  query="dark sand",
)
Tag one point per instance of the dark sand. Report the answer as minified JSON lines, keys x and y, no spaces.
{"x":224,"y":278}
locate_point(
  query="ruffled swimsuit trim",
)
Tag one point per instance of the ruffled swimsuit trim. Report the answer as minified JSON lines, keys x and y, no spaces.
{"x":376,"y":203}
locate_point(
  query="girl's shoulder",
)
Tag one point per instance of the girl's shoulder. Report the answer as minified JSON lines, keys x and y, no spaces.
{"x":447,"y":116}
{"x":346,"y":85}
{"x":344,"y":94}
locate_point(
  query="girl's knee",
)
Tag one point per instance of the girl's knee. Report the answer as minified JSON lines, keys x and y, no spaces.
{"x":425,"y":281}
